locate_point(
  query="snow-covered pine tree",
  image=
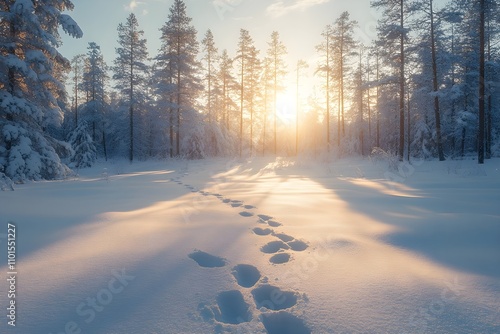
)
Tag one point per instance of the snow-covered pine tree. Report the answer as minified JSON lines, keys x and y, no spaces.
{"x":178,"y":54}
{"x":131,"y":71}
{"x":29,"y":90}
{"x":434,"y":66}
{"x":85,"y":152}
{"x":93,"y":85}
{"x":77,"y":65}
{"x":393,"y":31}
{"x":163,"y":90}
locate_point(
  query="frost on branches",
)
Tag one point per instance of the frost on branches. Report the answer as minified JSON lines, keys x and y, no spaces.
{"x":85,"y":151}
{"x":29,"y":88}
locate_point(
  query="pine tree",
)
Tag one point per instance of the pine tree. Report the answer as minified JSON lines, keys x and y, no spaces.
{"x":228,"y":86}
{"x":342,"y":45}
{"x":276,"y":52}
{"x":179,"y":53}
{"x":254,"y":76}
{"x":430,"y":43}
{"x":85,"y":152}
{"x":93,"y":85}
{"x":393,"y":30}
{"x":30,"y":92}
{"x":77,"y":73}
{"x":243,"y":57}
{"x":301,"y":64}
{"x":211,"y":59}
{"x":131,"y":70}
{"x":326,"y":69}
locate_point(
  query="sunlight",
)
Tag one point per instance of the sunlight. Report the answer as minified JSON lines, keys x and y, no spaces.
{"x":286,"y":107}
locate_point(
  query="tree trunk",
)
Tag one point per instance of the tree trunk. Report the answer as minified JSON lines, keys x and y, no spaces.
{"x":377,"y":141}
{"x":402,"y":87}
{"x":297,"y":114}
{"x":131,"y":97}
{"x":104,"y":145}
{"x":437,"y":112}
{"x":327,"y":118}
{"x":241,"y":101}
{"x":480,"y":151}
{"x":490,"y":106}
{"x":275,"y":102}
{"x":171,"y":130}
{"x":179,"y":103}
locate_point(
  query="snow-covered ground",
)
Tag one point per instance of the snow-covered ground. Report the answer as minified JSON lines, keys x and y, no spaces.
{"x":261,"y":246}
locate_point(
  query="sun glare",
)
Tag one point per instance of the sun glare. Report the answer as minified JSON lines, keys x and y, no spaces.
{"x":286,"y":107}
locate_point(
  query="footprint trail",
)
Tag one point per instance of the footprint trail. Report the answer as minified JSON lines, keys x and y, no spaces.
{"x":230,"y":307}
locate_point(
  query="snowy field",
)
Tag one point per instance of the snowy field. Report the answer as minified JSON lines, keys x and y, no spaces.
{"x":261,"y":246}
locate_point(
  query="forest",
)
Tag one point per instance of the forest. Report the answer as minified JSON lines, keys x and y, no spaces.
{"x":426,"y":87}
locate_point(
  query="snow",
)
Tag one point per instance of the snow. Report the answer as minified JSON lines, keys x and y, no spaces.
{"x":70,"y":26}
{"x":258,"y":246}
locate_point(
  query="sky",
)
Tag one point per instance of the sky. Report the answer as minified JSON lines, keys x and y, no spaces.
{"x":299,"y":23}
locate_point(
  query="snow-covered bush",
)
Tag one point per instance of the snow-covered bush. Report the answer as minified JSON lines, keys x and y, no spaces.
{"x":85,"y":152}
{"x":28,"y":155}
{"x":5,"y":183}
{"x":378,"y":155}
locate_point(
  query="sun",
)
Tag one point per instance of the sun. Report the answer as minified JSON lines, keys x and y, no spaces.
{"x":286,"y":107}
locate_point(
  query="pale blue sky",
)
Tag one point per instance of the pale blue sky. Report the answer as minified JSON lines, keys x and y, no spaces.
{"x":299,"y":22}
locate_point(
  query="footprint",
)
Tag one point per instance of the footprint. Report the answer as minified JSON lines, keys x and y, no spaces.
{"x":283,"y":237}
{"x":249,"y":207}
{"x":280,"y":258}
{"x":246,"y":275}
{"x":232,"y":308}
{"x":226,"y":200}
{"x":273,"y":298}
{"x":236,"y":201}
{"x":207,"y":260}
{"x":262,"y":231}
{"x":264,"y":217}
{"x":284,"y":322}
{"x":298,"y":245}
{"x":274,"y":247}
{"x":273,"y":223}
{"x":246,"y":214}
{"x":235,"y":205}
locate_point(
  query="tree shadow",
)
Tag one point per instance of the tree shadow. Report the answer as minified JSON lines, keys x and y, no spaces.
{"x":443,"y":222}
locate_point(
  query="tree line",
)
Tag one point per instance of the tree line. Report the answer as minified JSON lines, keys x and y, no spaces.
{"x":426,"y":87}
